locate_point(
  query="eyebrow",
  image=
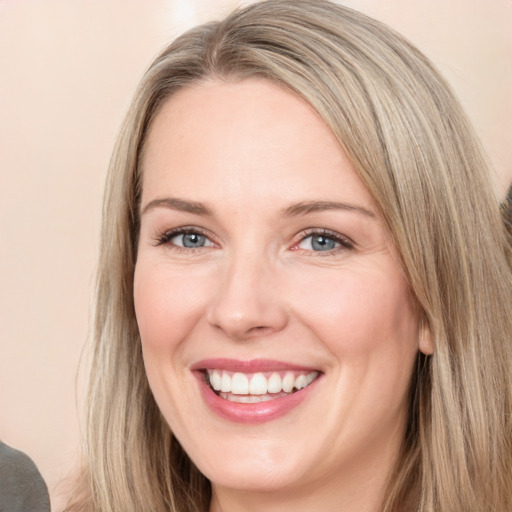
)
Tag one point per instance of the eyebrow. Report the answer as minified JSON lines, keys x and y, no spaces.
{"x":305,"y":207}
{"x":181,"y":205}
{"x":294,"y":210}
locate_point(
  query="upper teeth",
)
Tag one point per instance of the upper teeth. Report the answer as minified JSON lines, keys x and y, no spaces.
{"x":257,"y":383}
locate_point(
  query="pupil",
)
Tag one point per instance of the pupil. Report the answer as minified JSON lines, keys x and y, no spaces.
{"x":193,"y":240}
{"x":322,"y":243}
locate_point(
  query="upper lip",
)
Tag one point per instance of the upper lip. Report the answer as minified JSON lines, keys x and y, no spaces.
{"x":249,"y":366}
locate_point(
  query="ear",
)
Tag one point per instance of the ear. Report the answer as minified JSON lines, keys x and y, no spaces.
{"x":426,"y":342}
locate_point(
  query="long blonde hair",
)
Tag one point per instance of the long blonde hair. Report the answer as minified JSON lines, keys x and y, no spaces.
{"x":415,"y":151}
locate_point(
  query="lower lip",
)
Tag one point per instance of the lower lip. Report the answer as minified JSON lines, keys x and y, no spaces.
{"x":259,"y":412}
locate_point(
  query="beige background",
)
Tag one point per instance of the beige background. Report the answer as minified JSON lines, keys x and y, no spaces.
{"x":67,"y":71}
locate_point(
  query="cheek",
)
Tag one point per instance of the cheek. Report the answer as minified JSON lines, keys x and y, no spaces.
{"x":368,"y":323}
{"x":360,"y":313}
{"x":166,"y":306}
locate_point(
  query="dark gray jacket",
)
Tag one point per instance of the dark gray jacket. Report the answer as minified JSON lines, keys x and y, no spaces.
{"x":22,"y":488}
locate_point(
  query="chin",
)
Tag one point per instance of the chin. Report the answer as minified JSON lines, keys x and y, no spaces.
{"x":251,"y":465}
{"x":248,"y":478}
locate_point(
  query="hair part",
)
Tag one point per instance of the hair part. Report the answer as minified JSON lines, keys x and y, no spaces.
{"x":415,"y":150}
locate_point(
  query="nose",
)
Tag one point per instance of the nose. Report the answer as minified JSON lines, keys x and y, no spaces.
{"x":248,"y":302}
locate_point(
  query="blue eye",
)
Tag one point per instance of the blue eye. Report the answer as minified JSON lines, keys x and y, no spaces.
{"x":324,"y":242}
{"x":319,"y":243}
{"x":184,"y":238}
{"x":189,"y":240}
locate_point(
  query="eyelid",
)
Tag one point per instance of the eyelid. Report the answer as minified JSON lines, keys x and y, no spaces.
{"x":166,"y":236}
{"x":345,"y":242}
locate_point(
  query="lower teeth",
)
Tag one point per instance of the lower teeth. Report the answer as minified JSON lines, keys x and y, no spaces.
{"x":251,"y":399}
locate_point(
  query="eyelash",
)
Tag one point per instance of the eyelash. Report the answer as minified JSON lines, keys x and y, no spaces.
{"x":345,"y":242}
{"x":167,"y":236}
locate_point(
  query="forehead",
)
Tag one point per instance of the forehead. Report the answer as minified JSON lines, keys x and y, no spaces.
{"x":249,"y":137}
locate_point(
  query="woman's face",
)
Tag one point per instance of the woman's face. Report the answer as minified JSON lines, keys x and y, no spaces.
{"x":263,"y":267}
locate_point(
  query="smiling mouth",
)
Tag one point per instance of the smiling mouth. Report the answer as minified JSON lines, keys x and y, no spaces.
{"x":257,"y":387}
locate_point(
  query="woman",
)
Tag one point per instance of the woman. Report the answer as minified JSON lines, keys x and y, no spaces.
{"x":304,"y":283}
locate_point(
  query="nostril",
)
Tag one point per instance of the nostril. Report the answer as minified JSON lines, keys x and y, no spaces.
{"x":260,"y":330}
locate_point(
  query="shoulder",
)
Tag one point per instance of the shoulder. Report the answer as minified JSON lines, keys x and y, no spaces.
{"x":22,"y":487}
{"x":15,"y":464}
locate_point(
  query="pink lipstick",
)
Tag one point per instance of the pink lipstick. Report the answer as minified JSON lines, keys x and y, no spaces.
{"x":253,"y":391}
